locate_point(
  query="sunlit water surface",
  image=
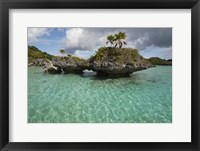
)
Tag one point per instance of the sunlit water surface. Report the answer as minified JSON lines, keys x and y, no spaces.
{"x":145,"y":97}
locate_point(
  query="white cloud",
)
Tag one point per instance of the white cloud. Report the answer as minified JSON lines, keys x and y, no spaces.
{"x":35,"y":33}
{"x":74,"y":37}
{"x":153,"y":51}
{"x":83,"y":54}
{"x":82,"y":39}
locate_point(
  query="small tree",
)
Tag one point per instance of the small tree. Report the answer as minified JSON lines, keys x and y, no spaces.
{"x":62,"y":51}
{"x":111,"y":40}
{"x":120,"y":39}
{"x":117,"y":39}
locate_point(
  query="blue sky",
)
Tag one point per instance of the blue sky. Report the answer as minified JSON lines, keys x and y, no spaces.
{"x":84,"y":42}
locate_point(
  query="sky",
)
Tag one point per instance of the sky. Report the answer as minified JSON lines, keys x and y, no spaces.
{"x":84,"y":42}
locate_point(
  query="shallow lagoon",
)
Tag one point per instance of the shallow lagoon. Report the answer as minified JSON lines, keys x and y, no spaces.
{"x":145,"y":97}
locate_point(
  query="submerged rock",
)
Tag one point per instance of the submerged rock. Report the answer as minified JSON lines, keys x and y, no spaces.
{"x":117,"y":62}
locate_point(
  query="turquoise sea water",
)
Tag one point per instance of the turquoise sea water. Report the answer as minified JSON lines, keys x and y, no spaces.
{"x":145,"y":97}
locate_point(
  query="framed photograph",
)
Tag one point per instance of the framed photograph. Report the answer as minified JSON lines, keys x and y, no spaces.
{"x":99,"y":75}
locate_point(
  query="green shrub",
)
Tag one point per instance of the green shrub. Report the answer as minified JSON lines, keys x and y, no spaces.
{"x":120,"y":55}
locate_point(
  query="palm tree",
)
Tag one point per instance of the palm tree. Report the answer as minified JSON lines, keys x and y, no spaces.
{"x":110,"y":39}
{"x":120,"y":39}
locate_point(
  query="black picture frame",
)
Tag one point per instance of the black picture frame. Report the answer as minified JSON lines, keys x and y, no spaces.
{"x":5,"y":5}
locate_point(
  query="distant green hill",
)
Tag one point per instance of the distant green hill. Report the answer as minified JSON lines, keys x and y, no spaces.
{"x":34,"y":53}
{"x":159,"y":61}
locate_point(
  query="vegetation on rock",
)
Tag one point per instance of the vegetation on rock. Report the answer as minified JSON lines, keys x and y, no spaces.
{"x":120,"y":55}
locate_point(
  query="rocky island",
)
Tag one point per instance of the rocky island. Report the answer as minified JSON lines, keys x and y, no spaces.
{"x":67,"y":64}
{"x":117,"y":62}
{"x":108,"y":61}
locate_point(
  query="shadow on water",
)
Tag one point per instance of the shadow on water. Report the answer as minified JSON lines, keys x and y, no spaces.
{"x":137,"y":77}
{"x":134,"y":82}
{"x":93,"y":76}
{"x":152,"y":80}
{"x":103,"y":78}
{"x":99,"y":78}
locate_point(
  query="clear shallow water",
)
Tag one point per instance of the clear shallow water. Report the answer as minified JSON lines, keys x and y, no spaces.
{"x":145,"y":97}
